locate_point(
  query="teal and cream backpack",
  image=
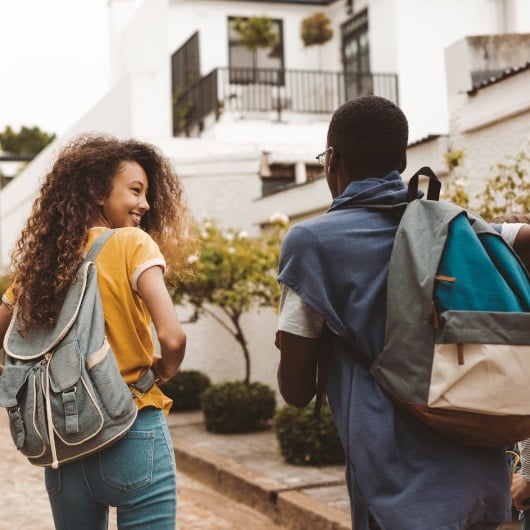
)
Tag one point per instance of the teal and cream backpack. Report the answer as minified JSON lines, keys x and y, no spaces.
{"x":457,"y":338}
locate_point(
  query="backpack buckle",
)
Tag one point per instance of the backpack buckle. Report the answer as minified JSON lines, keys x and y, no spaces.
{"x":143,"y":385}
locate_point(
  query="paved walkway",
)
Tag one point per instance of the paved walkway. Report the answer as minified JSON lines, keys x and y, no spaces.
{"x":250,"y":469}
{"x":24,"y":503}
{"x":226,"y":482}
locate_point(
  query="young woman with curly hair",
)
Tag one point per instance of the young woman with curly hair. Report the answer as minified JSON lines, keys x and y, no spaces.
{"x":99,"y":182}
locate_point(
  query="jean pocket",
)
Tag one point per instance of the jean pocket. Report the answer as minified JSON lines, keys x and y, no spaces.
{"x":128,"y":464}
{"x":52,"y":480}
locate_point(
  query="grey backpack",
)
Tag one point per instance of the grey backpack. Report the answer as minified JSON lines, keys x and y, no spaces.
{"x":61,"y":386}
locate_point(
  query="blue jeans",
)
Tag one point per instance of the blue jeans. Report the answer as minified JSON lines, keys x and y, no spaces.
{"x":136,"y":474}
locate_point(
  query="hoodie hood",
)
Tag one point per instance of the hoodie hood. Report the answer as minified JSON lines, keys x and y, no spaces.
{"x":389,"y":189}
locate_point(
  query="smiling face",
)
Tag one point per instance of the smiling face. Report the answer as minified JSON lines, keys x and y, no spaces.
{"x":127,"y":201}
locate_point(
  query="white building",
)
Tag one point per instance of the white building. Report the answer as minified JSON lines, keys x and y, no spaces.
{"x":182,"y":81}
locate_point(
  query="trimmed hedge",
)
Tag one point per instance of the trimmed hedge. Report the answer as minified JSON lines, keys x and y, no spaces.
{"x":305,"y":440}
{"x":237,"y":407}
{"x":185,"y":389}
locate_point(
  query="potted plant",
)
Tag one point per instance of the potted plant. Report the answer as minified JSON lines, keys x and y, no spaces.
{"x":316,"y":30}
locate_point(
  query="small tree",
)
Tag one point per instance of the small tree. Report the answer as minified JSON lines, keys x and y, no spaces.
{"x":255,"y":33}
{"x":234,"y":273}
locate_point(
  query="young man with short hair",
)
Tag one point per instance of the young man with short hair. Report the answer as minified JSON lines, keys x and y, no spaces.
{"x":401,"y":475}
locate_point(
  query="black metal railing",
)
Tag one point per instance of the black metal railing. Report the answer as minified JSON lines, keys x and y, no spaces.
{"x":247,"y":90}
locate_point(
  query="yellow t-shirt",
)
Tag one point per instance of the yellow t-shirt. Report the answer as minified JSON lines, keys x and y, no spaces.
{"x":121,"y":261}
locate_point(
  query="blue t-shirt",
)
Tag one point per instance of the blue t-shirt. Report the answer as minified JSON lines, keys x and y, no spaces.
{"x":406,"y":475}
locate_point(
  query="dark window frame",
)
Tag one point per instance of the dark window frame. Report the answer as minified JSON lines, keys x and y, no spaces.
{"x":357,"y":71}
{"x":246,"y":75}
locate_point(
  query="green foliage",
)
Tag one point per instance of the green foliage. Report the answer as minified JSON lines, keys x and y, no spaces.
{"x":316,"y":29}
{"x":254,"y":33}
{"x":454,"y":159}
{"x":185,"y":389}
{"x":236,"y":407}
{"x":305,"y":440}
{"x":28,"y":141}
{"x":234,"y":273}
{"x":508,"y":190}
{"x":455,"y":187}
{"x":182,"y":109}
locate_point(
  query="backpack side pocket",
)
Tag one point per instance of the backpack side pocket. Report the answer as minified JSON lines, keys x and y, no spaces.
{"x":21,"y":391}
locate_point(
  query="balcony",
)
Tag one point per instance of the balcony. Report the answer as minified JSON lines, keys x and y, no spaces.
{"x":248,"y":90}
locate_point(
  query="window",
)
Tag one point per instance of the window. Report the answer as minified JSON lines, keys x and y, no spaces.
{"x":356,"y":56}
{"x":268,"y":67}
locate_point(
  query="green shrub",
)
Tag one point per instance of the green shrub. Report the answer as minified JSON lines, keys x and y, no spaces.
{"x":305,"y":440}
{"x":185,"y":389}
{"x":237,"y":407}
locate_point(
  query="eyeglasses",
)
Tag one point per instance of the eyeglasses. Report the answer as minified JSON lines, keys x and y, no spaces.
{"x":321,"y":157}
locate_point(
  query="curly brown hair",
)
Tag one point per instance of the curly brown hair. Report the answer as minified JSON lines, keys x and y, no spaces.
{"x":51,"y":246}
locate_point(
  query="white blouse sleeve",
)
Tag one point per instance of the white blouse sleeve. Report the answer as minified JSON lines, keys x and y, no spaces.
{"x":509,"y":232}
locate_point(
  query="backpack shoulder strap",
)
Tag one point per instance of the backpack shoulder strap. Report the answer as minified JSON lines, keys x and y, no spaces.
{"x":434,"y":187}
{"x":98,"y":244}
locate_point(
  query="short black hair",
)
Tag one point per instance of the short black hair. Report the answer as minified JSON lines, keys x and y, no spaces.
{"x":371,"y":134}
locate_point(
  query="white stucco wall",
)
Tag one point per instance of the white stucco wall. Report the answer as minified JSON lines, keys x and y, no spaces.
{"x":409,"y":37}
{"x":212,"y":350}
{"x":210,"y":19}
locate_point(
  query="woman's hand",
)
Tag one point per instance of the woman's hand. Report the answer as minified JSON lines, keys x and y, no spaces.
{"x":161,"y":375}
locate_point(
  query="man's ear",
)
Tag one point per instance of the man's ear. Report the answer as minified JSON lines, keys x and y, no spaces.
{"x":331,"y":173}
{"x":333,"y":160}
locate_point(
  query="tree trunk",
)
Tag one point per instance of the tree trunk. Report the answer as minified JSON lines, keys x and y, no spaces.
{"x":255,"y":65}
{"x":243,"y":343}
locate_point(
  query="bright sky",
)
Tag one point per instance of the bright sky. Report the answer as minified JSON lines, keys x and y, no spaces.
{"x":54,"y":61}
